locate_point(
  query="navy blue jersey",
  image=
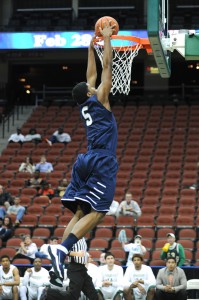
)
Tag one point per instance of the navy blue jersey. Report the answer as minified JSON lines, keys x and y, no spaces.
{"x":100,"y":123}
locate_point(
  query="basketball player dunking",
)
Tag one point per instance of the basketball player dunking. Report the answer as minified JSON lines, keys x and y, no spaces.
{"x":93,"y":182}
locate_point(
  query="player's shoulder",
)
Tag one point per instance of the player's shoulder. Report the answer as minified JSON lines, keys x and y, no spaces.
{"x":116,"y":267}
{"x":145,"y":267}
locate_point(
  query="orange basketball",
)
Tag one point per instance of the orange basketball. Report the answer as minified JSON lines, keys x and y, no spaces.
{"x":105,"y":21}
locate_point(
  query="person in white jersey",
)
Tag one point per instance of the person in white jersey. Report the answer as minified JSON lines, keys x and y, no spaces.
{"x":139,"y":280}
{"x":34,"y":282}
{"x":110,"y":278}
{"x":133,"y":248}
{"x":9,"y":279}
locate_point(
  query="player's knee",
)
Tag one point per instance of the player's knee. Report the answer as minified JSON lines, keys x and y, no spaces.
{"x":99,"y":216}
{"x":79,"y":213}
{"x":15,"y":289}
{"x":151,"y":291}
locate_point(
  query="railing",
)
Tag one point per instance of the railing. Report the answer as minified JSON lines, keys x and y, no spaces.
{"x":10,"y":118}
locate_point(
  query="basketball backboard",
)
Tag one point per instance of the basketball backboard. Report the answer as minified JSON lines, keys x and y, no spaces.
{"x":157,"y":27}
{"x":164,"y":41}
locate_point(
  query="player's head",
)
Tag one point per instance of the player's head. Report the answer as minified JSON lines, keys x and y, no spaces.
{"x":82,"y":91}
{"x":79,"y":92}
{"x":171,"y":263}
{"x":37,"y":264}
{"x":5,"y":261}
{"x":137,"y":260}
{"x":109,"y":258}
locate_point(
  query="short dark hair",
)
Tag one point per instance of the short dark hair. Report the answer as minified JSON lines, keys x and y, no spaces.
{"x":79,"y":92}
{"x":171,"y":258}
{"x":54,"y":238}
{"x":108,"y":254}
{"x":137,"y":255}
{"x":4,"y":256}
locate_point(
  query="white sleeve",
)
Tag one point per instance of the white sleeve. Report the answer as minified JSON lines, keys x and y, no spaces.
{"x":137,"y":209}
{"x":127,"y":247}
{"x":120,"y":276}
{"x":127,"y":277}
{"x":26,"y":278}
{"x":11,"y":137}
{"x":32,"y":249}
{"x":150,"y":278}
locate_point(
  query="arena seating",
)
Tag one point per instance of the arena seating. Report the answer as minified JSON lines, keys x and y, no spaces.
{"x":157,"y":153}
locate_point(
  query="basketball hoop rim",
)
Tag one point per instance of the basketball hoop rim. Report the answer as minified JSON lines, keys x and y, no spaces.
{"x":143,"y":42}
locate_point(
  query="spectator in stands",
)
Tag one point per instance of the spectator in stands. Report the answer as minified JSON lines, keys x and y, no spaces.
{"x":139,"y":280}
{"x":113,"y":208}
{"x":43,"y":252}
{"x":34,"y":281}
{"x":27,"y":166}
{"x":173,"y":249}
{"x":129,"y":207}
{"x":6,"y":230}
{"x":102,"y":260}
{"x":27,"y":249}
{"x":33,"y":136}
{"x":171,"y":282}
{"x":5,"y":198}
{"x":46,"y":191}
{"x":59,"y":136}
{"x":134,"y":248}
{"x":62,"y":187}
{"x":110,"y":278}
{"x":44,"y":166}
{"x":17,"y":137}
{"x":36,"y":181}
{"x":15,"y":209}
{"x":9,"y":279}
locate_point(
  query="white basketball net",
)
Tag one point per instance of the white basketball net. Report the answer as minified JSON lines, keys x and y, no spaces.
{"x":121,"y":68}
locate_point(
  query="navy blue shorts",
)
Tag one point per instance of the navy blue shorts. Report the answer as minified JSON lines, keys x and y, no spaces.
{"x":93,"y":182}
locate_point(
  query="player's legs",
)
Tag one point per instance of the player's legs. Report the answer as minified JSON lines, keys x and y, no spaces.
{"x":15,"y":293}
{"x":77,"y":216}
{"x":40,"y":291}
{"x":150,"y":293}
{"x":23,"y":292}
{"x":128,"y":293}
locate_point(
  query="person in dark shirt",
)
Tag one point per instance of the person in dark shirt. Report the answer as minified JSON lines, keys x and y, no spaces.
{"x":5,"y":198}
{"x":92,"y":187}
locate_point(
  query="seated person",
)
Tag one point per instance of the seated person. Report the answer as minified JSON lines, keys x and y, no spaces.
{"x":62,"y":187}
{"x":139,"y":280}
{"x":27,"y":166}
{"x":171,"y":282}
{"x":44,"y":166}
{"x":15,"y":209}
{"x":34,"y":281}
{"x":46,"y":191}
{"x":129,"y":207}
{"x":5,"y":198}
{"x":27,"y":249}
{"x":6,"y":230}
{"x":9,"y":279}
{"x":59,"y":136}
{"x":17,"y":137}
{"x":36,"y":181}
{"x":33,"y":136}
{"x":110,"y":278}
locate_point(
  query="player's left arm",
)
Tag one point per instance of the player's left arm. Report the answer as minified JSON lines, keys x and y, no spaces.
{"x":91,"y":73}
{"x":16,"y":279}
{"x":106,"y":77}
